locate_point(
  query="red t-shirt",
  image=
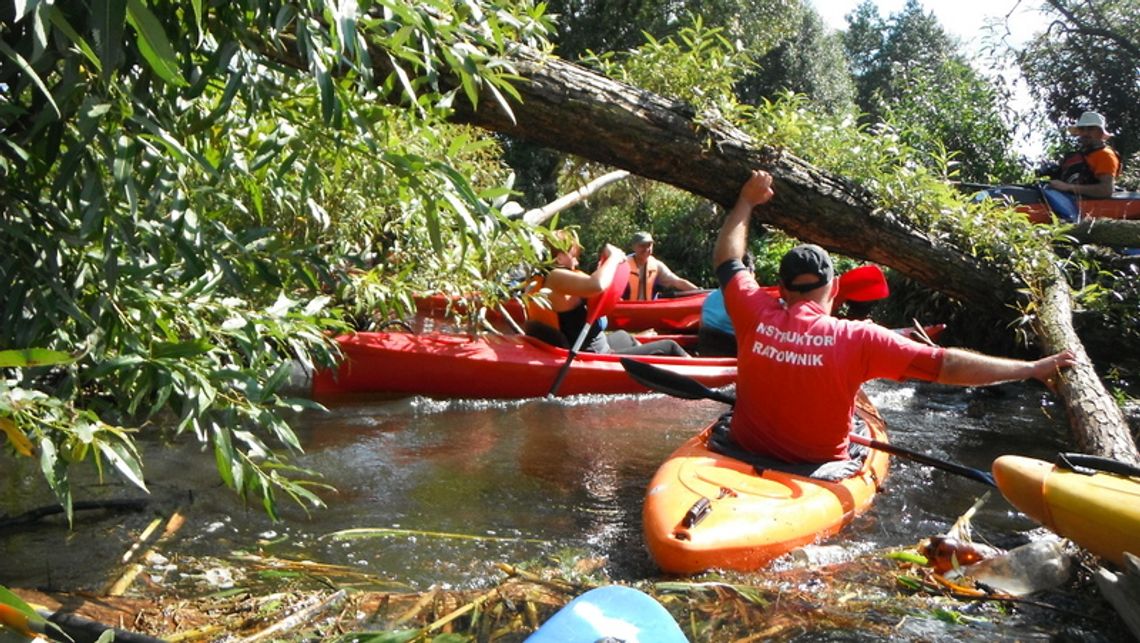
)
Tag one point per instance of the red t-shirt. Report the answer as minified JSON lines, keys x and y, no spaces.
{"x":799,"y":370}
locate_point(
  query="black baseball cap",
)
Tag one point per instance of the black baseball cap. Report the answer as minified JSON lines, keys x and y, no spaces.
{"x":806,"y":259}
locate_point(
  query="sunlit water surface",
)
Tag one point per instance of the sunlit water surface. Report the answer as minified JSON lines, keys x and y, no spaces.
{"x":453,"y":487}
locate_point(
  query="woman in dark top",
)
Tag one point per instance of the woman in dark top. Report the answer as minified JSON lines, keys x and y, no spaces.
{"x":559,"y":318}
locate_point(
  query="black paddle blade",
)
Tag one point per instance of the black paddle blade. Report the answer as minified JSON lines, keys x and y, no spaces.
{"x":670,"y":383}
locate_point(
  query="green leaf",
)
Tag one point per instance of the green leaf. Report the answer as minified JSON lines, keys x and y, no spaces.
{"x":278,"y":377}
{"x":947,"y":616}
{"x":300,"y":493}
{"x":908,"y":557}
{"x":110,"y":18}
{"x":327,"y":93}
{"x":225,"y":458}
{"x":180,"y":350}
{"x":60,"y":22}
{"x":198,"y":14}
{"x":909,"y":582}
{"x":125,"y":461}
{"x":39,"y":21}
{"x":503,"y":104}
{"x":29,"y":357}
{"x":54,"y":469}
{"x":116,"y":363}
{"x":31,"y":73}
{"x":153,"y":43}
{"x":433,"y":228}
{"x":24,"y":7}
{"x":346,"y":12}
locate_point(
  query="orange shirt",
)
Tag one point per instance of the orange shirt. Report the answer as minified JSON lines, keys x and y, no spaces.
{"x":1103,"y":161}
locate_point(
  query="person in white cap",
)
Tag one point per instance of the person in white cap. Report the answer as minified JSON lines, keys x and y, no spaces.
{"x":1092,"y":170}
{"x":647,"y":272}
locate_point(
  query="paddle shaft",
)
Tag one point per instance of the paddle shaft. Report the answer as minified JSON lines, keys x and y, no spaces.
{"x":562,"y":372}
{"x":677,"y":385}
{"x":598,"y":306}
{"x":983,"y":477}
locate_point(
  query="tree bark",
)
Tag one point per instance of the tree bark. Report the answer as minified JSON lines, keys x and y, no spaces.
{"x":539,"y":216}
{"x":1092,"y":411}
{"x":567,"y":107}
{"x":1114,"y":233}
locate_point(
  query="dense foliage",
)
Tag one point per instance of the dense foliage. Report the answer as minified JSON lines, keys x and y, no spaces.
{"x":811,"y":62}
{"x":908,"y":72}
{"x":586,"y":26}
{"x":186,"y":186}
{"x":1088,"y":59}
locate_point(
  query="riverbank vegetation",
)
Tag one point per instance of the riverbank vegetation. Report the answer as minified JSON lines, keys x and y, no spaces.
{"x":196,"y":196}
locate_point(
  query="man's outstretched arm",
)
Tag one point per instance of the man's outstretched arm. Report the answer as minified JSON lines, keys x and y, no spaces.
{"x":732,"y":241}
{"x":966,"y":368}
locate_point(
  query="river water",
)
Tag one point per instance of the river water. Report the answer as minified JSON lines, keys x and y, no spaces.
{"x":453,"y":487}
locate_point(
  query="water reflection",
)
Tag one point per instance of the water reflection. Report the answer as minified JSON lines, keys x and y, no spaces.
{"x":470,"y":483}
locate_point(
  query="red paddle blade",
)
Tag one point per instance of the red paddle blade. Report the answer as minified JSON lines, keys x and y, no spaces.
{"x":865,"y":283}
{"x":604,"y":302}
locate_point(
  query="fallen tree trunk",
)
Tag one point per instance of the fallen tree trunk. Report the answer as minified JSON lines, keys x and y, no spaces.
{"x":1092,"y":411}
{"x":569,"y":108}
{"x":1115,"y":233}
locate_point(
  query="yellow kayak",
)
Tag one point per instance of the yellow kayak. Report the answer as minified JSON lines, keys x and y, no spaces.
{"x":1099,"y":511}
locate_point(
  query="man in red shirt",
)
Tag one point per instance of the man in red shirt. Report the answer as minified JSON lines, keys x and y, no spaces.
{"x":800,"y":369}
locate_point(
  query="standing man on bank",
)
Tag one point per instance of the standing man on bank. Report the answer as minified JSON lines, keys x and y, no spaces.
{"x":799,"y":369}
{"x":647,"y":272}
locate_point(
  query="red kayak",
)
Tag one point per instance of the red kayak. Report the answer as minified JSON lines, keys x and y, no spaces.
{"x":491,"y":366}
{"x":680,"y":314}
{"x":501,"y":366}
{"x":666,"y":315}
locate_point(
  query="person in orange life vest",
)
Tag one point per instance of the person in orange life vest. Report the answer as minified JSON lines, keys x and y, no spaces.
{"x":647,"y":273}
{"x":799,"y":369}
{"x":1092,"y":170}
{"x":559,"y":319}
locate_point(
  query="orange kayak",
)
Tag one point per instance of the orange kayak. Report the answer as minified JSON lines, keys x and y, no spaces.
{"x":704,"y":510}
